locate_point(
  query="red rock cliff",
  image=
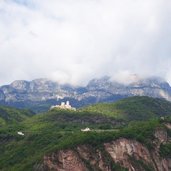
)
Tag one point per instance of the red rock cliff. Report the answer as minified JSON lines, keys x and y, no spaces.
{"x":128,"y":153}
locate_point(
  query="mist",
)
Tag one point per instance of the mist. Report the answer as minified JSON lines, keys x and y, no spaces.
{"x":75,"y":41}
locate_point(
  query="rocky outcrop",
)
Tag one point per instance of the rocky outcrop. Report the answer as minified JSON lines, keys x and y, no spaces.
{"x":2,"y":96}
{"x":126,"y":153}
{"x":83,"y":158}
{"x":97,"y":90}
{"x":97,"y":158}
{"x":67,"y":160}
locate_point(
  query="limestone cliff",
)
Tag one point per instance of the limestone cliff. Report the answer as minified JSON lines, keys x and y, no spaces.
{"x":22,"y":93}
{"x":120,"y":154}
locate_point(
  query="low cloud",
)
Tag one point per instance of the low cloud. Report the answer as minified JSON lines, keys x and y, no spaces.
{"x":74,"y":41}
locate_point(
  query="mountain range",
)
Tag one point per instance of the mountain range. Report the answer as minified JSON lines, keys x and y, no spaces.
{"x":40,"y":94}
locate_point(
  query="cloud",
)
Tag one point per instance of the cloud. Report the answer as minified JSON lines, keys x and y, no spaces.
{"x":74,"y":41}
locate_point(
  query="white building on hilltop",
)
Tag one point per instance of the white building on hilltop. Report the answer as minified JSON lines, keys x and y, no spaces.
{"x":20,"y":133}
{"x":63,"y":106}
{"x":86,"y":130}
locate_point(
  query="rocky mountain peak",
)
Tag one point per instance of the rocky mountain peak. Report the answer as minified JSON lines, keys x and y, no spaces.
{"x":20,"y":84}
{"x":43,"y":84}
{"x":97,"y":90}
{"x":155,"y":82}
{"x":102,"y":83}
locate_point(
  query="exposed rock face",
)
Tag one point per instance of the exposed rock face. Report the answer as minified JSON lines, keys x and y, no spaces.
{"x":97,"y":159}
{"x":76,"y":160}
{"x":66,"y":160}
{"x":97,"y":90}
{"x":128,"y":153}
{"x":122,"y":151}
{"x":2,"y":96}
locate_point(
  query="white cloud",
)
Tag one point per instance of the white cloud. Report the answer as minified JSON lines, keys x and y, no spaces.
{"x":74,"y":41}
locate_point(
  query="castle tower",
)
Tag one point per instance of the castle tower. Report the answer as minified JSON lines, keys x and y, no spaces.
{"x":67,"y":103}
{"x":62,"y":103}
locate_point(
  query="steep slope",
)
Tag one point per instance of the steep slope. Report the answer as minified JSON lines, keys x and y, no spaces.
{"x":133,"y":108}
{"x":13,"y":115}
{"x":44,"y":133}
{"x":54,"y":140}
{"x":40,"y":94}
{"x":121,"y":154}
{"x":46,"y":146}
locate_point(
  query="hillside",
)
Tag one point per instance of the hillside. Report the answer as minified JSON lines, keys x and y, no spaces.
{"x":53,"y":140}
{"x":133,"y":108}
{"x":44,"y":146}
{"x":43,"y":133}
{"x":13,"y":115}
{"x":141,"y":147}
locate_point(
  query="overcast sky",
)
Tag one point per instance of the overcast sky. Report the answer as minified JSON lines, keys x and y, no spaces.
{"x":76,"y":40}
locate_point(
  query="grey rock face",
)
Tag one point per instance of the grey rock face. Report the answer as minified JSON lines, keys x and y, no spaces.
{"x":97,"y":90}
{"x":2,"y":96}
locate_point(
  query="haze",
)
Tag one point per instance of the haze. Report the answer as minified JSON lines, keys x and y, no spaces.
{"x":74,"y":41}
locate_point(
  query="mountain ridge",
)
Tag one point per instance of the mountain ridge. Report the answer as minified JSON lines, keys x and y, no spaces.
{"x":133,"y":108}
{"x":45,"y":92}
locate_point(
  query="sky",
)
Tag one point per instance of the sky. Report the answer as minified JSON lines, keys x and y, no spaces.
{"x":73,"y":41}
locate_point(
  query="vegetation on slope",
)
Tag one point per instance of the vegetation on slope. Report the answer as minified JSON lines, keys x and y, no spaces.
{"x":133,"y":108}
{"x":60,"y":129}
{"x":23,"y":152}
{"x":13,"y":115}
{"x":165,"y":150}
